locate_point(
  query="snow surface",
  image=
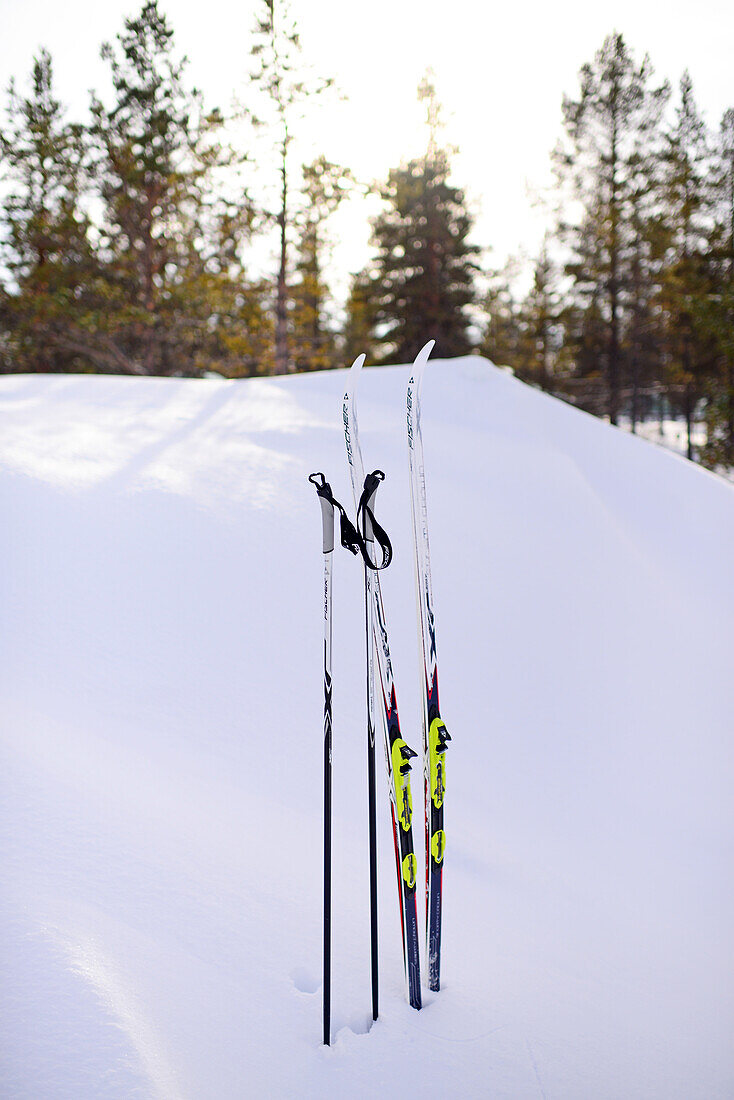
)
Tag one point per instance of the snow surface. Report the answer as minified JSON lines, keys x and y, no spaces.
{"x":670,"y":433}
{"x":161,"y":695}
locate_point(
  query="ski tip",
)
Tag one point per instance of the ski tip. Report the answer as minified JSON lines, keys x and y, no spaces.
{"x":351,"y":389}
{"x":422,"y":357}
{"x":420,"y":361}
{"x":415,"y":382}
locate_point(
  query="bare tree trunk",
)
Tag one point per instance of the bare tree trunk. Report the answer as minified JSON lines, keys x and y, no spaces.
{"x":635,"y":390}
{"x":689,"y":421}
{"x":690,"y":400}
{"x":613,"y":364}
{"x":729,"y":450}
{"x":614,"y":351}
{"x":281,"y":303}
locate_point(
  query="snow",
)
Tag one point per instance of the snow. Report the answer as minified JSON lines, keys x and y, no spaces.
{"x":669,"y":433}
{"x":161,"y":693}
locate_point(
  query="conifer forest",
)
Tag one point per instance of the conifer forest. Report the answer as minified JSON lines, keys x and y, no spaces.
{"x":132,"y":239}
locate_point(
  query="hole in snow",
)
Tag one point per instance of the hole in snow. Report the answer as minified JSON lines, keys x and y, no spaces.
{"x":304,"y":980}
{"x":358,"y":1023}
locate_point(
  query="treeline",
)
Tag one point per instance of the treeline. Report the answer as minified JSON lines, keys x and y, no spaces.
{"x":129,"y":242}
{"x":632,"y":297}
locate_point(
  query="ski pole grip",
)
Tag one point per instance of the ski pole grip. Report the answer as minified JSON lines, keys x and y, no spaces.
{"x":367,"y":504}
{"x":371,"y":530}
{"x":327,"y":522}
{"x":326,"y":499}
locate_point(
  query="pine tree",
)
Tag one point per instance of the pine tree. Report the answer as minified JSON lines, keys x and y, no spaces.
{"x":168,"y":294}
{"x":45,"y":229}
{"x":525,"y":333}
{"x":325,"y":185}
{"x":614,"y":120}
{"x":281,"y":75}
{"x":502,"y":341}
{"x":685,"y":214}
{"x":714,"y":304}
{"x":584,"y":320}
{"x":540,"y":322}
{"x":360,"y":323}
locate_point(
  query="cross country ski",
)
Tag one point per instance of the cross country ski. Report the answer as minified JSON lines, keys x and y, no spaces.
{"x":397,"y":753}
{"x":435,"y":734}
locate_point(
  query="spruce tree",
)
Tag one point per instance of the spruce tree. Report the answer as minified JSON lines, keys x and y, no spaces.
{"x":421,"y":282}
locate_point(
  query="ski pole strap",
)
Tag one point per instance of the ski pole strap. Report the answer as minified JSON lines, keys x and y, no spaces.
{"x":368,"y":528}
{"x":350,"y":539}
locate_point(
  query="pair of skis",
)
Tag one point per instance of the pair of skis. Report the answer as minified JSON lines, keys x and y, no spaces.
{"x":397,"y":753}
{"x":435,"y":734}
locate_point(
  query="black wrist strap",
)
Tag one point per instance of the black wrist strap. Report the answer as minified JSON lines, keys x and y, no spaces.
{"x":368,"y":530}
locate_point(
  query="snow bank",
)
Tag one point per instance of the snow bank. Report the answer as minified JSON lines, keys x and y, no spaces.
{"x":160,"y":821}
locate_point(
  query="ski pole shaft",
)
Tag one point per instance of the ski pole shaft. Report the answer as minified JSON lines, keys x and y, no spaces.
{"x":371,"y":795}
{"x":369,"y":581}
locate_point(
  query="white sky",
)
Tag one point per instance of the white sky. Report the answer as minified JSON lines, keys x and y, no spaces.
{"x":500,"y":72}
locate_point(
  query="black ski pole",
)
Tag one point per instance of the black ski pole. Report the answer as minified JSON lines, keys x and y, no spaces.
{"x":327,"y":518}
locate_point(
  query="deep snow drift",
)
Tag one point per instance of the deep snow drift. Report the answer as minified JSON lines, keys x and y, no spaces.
{"x":161,"y":709}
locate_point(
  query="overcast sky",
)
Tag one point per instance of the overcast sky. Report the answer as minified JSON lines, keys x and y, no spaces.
{"x":500,"y":71}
